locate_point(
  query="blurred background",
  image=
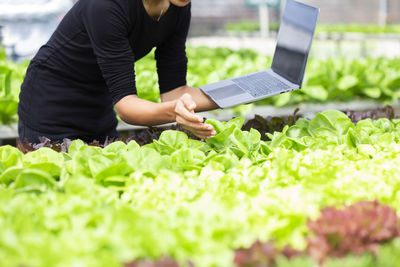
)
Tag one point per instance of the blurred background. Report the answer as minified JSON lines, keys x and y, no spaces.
{"x":27,"y":24}
{"x":349,"y":28}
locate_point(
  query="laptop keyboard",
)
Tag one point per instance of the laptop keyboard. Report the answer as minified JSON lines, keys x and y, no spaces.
{"x":259,"y":84}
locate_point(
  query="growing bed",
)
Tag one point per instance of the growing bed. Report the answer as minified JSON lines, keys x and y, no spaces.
{"x":197,"y":202}
{"x":320,"y":190}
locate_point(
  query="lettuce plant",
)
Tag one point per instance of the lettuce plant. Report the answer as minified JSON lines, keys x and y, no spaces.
{"x":263,"y":254}
{"x":190,"y":200}
{"x":165,"y":262}
{"x":357,"y":229}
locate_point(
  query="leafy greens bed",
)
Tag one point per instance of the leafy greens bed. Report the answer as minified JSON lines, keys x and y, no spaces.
{"x":359,"y":28}
{"x":11,"y":77}
{"x":189,"y":200}
{"x":325,"y":80}
{"x":335,"y":79}
{"x":252,"y":26}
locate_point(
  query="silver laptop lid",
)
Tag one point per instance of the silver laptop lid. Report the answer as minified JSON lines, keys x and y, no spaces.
{"x":295,"y":36}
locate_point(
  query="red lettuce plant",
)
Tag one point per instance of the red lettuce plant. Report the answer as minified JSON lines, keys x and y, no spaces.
{"x":262,"y":255}
{"x":164,"y":262}
{"x":374,"y":114}
{"x":142,"y":137}
{"x":356,"y":229}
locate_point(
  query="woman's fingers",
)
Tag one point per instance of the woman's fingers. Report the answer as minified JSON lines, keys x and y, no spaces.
{"x":200,"y":130}
{"x":185,"y":108}
{"x":194,"y":125}
{"x":186,"y":117}
{"x":185,"y":114}
{"x":188,"y":102}
{"x":203,"y":134}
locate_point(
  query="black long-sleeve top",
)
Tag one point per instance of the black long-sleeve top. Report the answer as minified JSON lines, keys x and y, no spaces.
{"x":87,"y":65}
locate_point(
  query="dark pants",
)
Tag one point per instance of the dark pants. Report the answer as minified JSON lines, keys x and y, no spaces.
{"x":32,"y":136}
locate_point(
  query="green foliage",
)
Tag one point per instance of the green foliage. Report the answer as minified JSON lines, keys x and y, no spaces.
{"x":3,"y":55}
{"x":248,"y":26}
{"x":187,"y":199}
{"x":252,"y":26}
{"x":325,"y":80}
{"x":358,"y":28}
{"x":11,"y":77}
{"x":230,"y":137}
{"x":387,"y":256}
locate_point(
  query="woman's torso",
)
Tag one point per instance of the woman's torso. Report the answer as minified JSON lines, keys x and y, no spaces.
{"x":64,"y":89}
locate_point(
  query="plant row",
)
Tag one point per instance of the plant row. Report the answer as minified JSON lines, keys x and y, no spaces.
{"x":11,"y":77}
{"x":194,"y":201}
{"x":325,"y":80}
{"x":248,"y":26}
{"x":363,"y":234}
{"x":359,"y":28}
{"x":252,"y":26}
{"x":264,"y":125}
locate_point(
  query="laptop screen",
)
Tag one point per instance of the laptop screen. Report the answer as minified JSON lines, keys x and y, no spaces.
{"x":294,"y":40}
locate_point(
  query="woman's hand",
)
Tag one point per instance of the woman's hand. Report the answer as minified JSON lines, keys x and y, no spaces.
{"x":185,"y":116}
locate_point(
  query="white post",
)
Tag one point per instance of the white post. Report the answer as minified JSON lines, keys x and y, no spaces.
{"x":383,"y":12}
{"x":264,"y":20}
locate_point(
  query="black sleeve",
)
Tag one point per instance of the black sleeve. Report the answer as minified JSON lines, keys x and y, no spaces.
{"x":171,"y":55}
{"x":107,"y":26}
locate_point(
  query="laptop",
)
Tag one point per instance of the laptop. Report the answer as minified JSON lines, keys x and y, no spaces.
{"x":286,"y":74}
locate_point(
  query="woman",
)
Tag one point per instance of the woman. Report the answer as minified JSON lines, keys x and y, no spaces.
{"x":87,"y":68}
